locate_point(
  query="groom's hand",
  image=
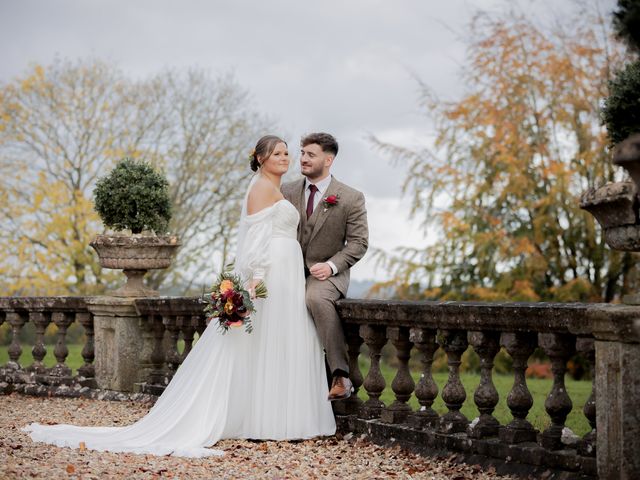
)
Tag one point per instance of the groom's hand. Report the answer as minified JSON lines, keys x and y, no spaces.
{"x":321,"y":271}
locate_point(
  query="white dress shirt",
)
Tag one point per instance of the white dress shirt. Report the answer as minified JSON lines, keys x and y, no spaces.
{"x":322,"y":186}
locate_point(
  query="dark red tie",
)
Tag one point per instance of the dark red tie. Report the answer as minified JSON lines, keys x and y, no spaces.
{"x":312,"y":194}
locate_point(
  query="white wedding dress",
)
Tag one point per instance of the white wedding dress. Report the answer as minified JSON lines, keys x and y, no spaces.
{"x":269,"y":384}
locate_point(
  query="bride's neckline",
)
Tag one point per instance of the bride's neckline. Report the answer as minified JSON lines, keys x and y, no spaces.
{"x":266,"y":208}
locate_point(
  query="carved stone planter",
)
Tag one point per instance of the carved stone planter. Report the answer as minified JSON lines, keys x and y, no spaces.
{"x":615,"y":207}
{"x":135,"y":255}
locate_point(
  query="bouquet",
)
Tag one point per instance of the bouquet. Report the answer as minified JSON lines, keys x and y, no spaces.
{"x":230,"y":303}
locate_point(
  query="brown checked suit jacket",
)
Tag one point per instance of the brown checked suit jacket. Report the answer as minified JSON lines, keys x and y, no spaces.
{"x":338,"y":233}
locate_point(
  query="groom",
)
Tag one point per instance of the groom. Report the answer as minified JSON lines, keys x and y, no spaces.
{"x":333,"y":234}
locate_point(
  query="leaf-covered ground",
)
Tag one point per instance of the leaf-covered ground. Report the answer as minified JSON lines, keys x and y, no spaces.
{"x":334,"y":457}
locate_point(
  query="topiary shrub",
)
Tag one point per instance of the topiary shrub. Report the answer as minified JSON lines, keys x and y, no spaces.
{"x":621,"y":112}
{"x":133,"y":196}
{"x":626,"y":22}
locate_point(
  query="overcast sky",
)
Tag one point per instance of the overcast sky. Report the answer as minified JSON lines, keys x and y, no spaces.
{"x":347,"y":67}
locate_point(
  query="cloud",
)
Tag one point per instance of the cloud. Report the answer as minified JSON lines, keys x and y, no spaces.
{"x":389,"y":227}
{"x":346,"y":67}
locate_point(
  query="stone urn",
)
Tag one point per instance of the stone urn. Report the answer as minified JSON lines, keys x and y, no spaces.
{"x":134,"y":255}
{"x":616,"y":206}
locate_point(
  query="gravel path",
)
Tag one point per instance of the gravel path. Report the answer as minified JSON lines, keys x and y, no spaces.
{"x":334,"y":457}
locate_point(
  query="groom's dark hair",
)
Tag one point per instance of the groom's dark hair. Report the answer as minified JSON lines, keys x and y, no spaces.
{"x":327,"y":142}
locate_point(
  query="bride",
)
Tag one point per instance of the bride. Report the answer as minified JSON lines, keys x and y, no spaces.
{"x":270,"y":384}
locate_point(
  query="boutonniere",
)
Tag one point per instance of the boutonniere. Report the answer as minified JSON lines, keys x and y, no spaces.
{"x":330,"y":201}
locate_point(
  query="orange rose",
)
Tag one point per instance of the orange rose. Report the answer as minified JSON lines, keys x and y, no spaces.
{"x":225,"y":286}
{"x":236,"y":323}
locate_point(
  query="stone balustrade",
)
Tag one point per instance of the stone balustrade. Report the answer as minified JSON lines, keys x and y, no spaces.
{"x":603,"y":334}
{"x":137,"y":349}
{"x":167,"y":320}
{"x":41,"y":312}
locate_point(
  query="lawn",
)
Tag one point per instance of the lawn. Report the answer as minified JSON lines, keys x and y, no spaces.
{"x":74,"y":360}
{"x":579,"y":391}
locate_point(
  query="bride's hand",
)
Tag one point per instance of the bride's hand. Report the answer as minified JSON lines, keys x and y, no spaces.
{"x":251,"y":288}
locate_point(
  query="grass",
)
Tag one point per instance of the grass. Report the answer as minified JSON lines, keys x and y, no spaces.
{"x":579,"y":391}
{"x":74,"y":360}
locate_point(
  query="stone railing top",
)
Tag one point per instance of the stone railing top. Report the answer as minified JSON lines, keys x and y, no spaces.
{"x":54,"y":304}
{"x":178,"y":306}
{"x":603,"y":321}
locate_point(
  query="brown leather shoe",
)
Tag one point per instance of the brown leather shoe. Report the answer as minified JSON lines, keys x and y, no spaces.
{"x":340,"y":389}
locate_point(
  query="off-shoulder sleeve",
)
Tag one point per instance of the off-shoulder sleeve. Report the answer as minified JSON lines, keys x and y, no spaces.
{"x":252,"y":258}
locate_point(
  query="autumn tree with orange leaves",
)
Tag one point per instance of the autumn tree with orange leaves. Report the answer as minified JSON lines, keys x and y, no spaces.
{"x":65,"y":124}
{"x":500,"y":187}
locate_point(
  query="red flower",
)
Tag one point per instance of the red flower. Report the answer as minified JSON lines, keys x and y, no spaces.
{"x":331,"y":200}
{"x":238,"y":299}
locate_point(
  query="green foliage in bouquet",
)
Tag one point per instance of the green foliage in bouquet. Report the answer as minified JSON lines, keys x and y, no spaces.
{"x":626,"y":22}
{"x":621,"y":112}
{"x":133,"y":196}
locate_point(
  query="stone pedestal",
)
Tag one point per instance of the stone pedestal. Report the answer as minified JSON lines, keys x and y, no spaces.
{"x":618,"y":409}
{"x":122,"y":351}
{"x":617,"y":397}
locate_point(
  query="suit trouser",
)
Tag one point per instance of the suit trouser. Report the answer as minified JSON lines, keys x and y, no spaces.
{"x":321,"y":297}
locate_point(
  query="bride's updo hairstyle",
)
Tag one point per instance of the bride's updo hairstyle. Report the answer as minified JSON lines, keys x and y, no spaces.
{"x":264,"y":148}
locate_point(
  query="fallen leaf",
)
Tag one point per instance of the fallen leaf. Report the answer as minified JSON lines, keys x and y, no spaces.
{"x":71,"y":469}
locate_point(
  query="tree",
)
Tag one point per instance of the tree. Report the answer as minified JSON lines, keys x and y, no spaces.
{"x":63,"y":125}
{"x":621,"y":110}
{"x":626,"y":23}
{"x":511,"y":157}
{"x":209,"y":129}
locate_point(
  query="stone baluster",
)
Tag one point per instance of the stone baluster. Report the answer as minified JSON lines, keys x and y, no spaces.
{"x":352,"y":405}
{"x":520,"y":346}
{"x":158,"y":375}
{"x":87,"y":371}
{"x":62,"y":320}
{"x":558,"y":404}
{"x":375,"y":338}
{"x":41,"y":321}
{"x":587,"y":446}
{"x":188,"y":328}
{"x":486,"y":345}
{"x":17,"y":321}
{"x":402,"y":384}
{"x":426,"y":390}
{"x":173,"y":357}
{"x":454,"y":343}
{"x":200,"y":326}
{"x":5,"y":387}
